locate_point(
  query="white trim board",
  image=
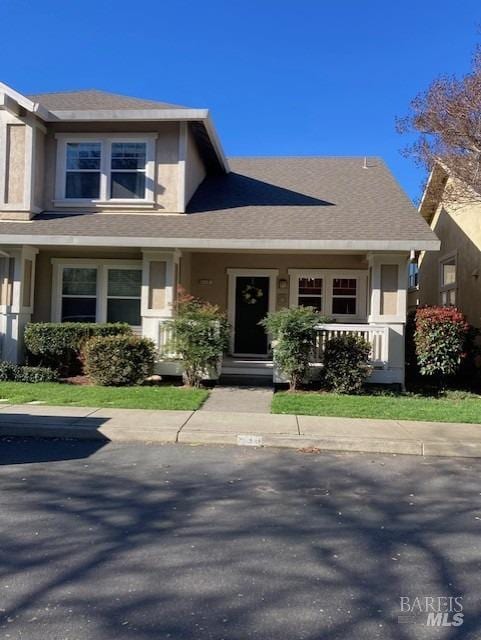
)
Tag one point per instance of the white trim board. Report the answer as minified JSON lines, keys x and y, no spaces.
{"x":219,"y":243}
{"x":232,"y":275}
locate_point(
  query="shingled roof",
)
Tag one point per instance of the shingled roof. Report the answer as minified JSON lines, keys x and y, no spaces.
{"x":299,"y":203}
{"x":93,"y":99}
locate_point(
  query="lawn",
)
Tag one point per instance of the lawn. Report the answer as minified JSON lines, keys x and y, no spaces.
{"x":454,"y":407}
{"x":54,"y":393}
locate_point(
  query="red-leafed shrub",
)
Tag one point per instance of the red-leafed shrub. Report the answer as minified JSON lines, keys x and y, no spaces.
{"x":440,"y":337}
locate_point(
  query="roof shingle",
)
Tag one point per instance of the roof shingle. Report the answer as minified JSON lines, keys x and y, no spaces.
{"x":269,"y":199}
{"x":93,"y":99}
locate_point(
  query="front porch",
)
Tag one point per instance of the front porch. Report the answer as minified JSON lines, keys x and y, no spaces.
{"x":357,"y":292}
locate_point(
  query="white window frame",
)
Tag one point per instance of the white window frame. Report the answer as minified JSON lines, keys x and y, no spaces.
{"x":106,"y":141}
{"x":448,"y":257}
{"x":328,"y":276}
{"x":102,"y":266}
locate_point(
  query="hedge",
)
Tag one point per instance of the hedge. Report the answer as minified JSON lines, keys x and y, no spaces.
{"x":118,"y":360}
{"x":440,"y":339}
{"x":346,"y":363}
{"x":58,"y":345}
{"x":10,"y":372}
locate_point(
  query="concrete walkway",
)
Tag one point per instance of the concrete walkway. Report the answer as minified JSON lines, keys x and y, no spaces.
{"x":239,"y":399}
{"x":243,"y":428}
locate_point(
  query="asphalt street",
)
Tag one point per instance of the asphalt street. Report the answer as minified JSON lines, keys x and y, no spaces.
{"x":107,"y":541}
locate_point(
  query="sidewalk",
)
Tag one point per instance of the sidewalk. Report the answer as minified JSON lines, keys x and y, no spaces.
{"x":248,"y":429}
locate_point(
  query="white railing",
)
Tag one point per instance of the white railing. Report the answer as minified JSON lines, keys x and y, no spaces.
{"x":165,"y":337}
{"x":376,"y":335}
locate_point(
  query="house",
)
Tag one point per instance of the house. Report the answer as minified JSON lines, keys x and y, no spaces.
{"x":109,"y":203}
{"x":452,"y":276}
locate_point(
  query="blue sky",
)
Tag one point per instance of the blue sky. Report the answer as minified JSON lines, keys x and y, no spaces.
{"x":284,"y":77}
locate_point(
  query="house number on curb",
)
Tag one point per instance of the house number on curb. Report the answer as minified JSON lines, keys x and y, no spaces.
{"x":249,"y":441}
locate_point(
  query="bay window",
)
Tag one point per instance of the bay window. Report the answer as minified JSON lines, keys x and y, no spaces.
{"x":97,"y":291}
{"x":102,"y":169}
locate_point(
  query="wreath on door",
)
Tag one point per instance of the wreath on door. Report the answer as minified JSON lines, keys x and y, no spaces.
{"x":252,"y":294}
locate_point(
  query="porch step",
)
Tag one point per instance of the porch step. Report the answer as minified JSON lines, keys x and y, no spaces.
{"x":236,"y":380}
{"x":250,"y":367}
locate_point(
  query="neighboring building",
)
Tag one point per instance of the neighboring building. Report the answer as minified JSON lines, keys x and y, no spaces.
{"x":452,"y":276}
{"x":108,"y":203}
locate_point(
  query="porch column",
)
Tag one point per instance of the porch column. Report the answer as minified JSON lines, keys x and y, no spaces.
{"x":160,"y":274}
{"x":387,"y":295}
{"x":17,"y":277}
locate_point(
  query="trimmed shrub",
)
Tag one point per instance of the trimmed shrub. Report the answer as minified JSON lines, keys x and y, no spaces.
{"x":346,"y":363}
{"x":116,"y":361}
{"x":440,"y":337}
{"x":10,"y":372}
{"x":58,"y":345}
{"x":200,"y":336}
{"x":294,"y":334}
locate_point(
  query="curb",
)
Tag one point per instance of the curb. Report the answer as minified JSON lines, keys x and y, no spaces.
{"x":439,"y":448}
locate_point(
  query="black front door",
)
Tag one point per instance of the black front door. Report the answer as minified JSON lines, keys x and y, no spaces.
{"x":251,"y":306}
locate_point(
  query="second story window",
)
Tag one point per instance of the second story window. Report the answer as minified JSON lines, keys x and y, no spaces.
{"x":127,"y":175}
{"x":448,"y":280}
{"x":101,"y":169}
{"x":82,"y":178}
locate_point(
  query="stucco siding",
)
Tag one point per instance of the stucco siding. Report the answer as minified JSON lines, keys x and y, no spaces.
{"x":166,"y":181}
{"x":460,"y":233}
{"x":211,"y":268}
{"x":195,"y":171}
{"x":39,"y":168}
{"x":15,"y":166}
{"x":43,"y":274}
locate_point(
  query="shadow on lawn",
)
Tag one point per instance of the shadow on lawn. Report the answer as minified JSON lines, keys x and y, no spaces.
{"x":299,"y":547}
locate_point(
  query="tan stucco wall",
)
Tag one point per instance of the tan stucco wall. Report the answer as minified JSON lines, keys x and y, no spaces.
{"x":194,"y":168}
{"x":43,"y":274}
{"x":389,"y":288}
{"x":459,"y":230}
{"x":213,"y":267}
{"x":39,"y":169}
{"x":167,"y":156}
{"x":15,"y":169}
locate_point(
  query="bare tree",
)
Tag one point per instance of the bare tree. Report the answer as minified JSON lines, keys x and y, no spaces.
{"x":447,"y":121}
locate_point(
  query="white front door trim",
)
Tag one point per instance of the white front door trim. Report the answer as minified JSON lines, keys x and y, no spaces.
{"x":233,"y":274}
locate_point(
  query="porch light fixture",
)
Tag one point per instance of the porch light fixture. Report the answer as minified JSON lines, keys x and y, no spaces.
{"x":282,"y":283}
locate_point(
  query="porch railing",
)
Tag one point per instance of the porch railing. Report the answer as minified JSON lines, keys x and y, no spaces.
{"x":166,"y":336}
{"x":376,"y":335}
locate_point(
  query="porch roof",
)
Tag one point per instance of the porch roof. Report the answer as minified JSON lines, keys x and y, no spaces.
{"x":309,"y":203}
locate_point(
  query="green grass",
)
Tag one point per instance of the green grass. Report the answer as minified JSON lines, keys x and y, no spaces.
{"x":54,"y":393}
{"x":453,"y":407}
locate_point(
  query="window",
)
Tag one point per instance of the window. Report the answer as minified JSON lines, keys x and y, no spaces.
{"x":97,"y":291}
{"x":310,"y":293}
{"x":79,"y":295}
{"x":83,"y":170}
{"x":341,"y":294}
{"x":413,"y":275}
{"x":127,"y":176}
{"x":123,"y":296}
{"x":105,"y":168}
{"x":448,"y":280}
{"x":344,"y":296}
